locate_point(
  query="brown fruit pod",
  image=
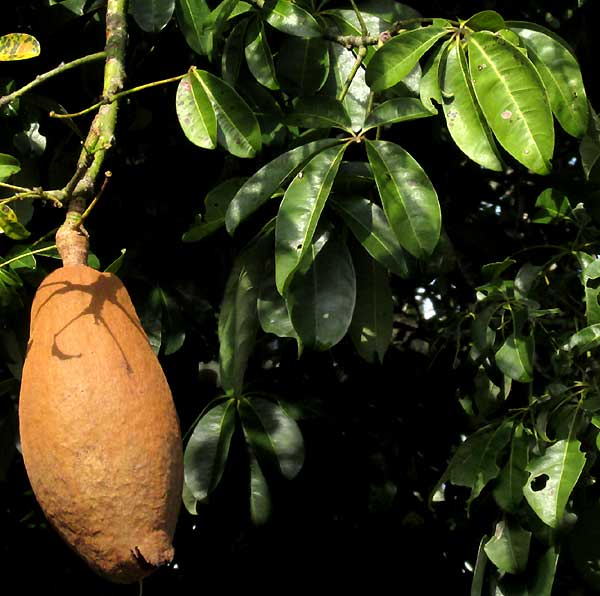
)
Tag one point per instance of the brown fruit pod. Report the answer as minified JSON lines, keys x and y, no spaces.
{"x":99,"y":431}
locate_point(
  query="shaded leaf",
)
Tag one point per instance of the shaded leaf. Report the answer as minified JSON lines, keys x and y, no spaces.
{"x":430,"y":81}
{"x":258,"y":55}
{"x":207,"y":449}
{"x":152,"y":15}
{"x":260,"y":187}
{"x":542,"y":576}
{"x":585,"y":339}
{"x":195,"y":113}
{"x":302,"y":65}
{"x":513,"y":100}
{"x":399,"y":109}
{"x":508,"y":549}
{"x":479,"y":570}
{"x":233,"y":53}
{"x":319,"y":112}
{"x":18,"y":46}
{"x":552,"y":477}
{"x":394,"y":60}
{"x":260,"y":497}
{"x":300,"y":211}
{"x":409,"y":199}
{"x":372,"y":321}
{"x":194,"y":20}
{"x":290,"y":18}
{"x":369,"y":225}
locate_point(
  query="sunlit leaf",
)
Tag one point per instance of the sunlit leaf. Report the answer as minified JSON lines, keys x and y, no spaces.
{"x":10,"y":225}
{"x":552,"y":477}
{"x":513,"y":100}
{"x":515,"y":357}
{"x":18,"y":46}
{"x":397,"y":57}
{"x":9,"y":165}
{"x":585,"y":339}
{"x":152,"y":15}
{"x":430,"y":80}
{"x":508,"y":549}
{"x":258,"y":55}
{"x":399,"y":109}
{"x":195,"y":113}
{"x":466,"y":123}
{"x":486,"y":19}
{"x":590,"y":277}
{"x":194,"y":20}
{"x":300,"y":211}
{"x":290,"y":18}
{"x":207,"y":449}
{"x":409,"y":199}
{"x":552,"y":205}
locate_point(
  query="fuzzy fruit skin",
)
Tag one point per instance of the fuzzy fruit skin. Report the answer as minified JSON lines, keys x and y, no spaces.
{"x":99,"y":431}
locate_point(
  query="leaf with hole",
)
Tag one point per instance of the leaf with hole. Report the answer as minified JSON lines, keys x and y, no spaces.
{"x":486,"y":19}
{"x":409,"y":199}
{"x":513,"y":100}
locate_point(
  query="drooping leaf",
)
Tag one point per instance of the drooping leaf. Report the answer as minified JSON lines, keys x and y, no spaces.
{"x":589,"y":149}
{"x":258,"y":55}
{"x":290,"y":18}
{"x":486,"y":19}
{"x":430,"y":80}
{"x":321,"y":299}
{"x":9,"y":165}
{"x":515,"y":357}
{"x":466,"y":123}
{"x":302,"y":65}
{"x":483,"y":336}
{"x":544,"y":570}
{"x":18,"y":46}
{"x":526,"y":278}
{"x":216,"y":204}
{"x":585,"y":339}
{"x":372,"y":321}
{"x":195,"y":113}
{"x":409,"y":199}
{"x":233,"y":53}
{"x":590,"y":277}
{"x":300,"y":211}
{"x":399,"y":109}
{"x":238,"y":319}
{"x":561,"y":75}
{"x":260,"y":187}
{"x":369,"y":225}
{"x":152,"y":15}
{"x":479,"y":570}
{"x":238,"y":130}
{"x":394,"y":60}
{"x":194,"y":20}
{"x":508,"y":549}
{"x":552,"y":205}
{"x":513,"y":100}
{"x":271,"y":431}
{"x":552,"y":477}
{"x":260,"y":496}
{"x":207,"y":449}
{"x":319,"y":112}
{"x":10,"y":225}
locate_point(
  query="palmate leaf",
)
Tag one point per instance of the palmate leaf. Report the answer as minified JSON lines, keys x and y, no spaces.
{"x":372,"y":321}
{"x":300,"y":211}
{"x":466,"y":123}
{"x":290,"y":18}
{"x":321,"y":298}
{"x":560,"y":72}
{"x":513,"y":100}
{"x":409,"y":199}
{"x":552,"y":477}
{"x":369,"y":225}
{"x":258,"y":55}
{"x":508,"y":549}
{"x":260,"y":187}
{"x":397,"y":57}
{"x":152,"y":15}
{"x":207,"y":449}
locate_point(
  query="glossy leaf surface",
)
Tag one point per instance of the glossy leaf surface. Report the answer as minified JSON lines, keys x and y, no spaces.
{"x":193,"y":18}
{"x":399,"y":109}
{"x":319,"y":112}
{"x":303,"y":65}
{"x":152,"y":15}
{"x":258,"y":55}
{"x":508,"y":549}
{"x":195,"y":113}
{"x":290,"y":18}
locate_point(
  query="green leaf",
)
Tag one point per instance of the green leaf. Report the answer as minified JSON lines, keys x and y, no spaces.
{"x":300,"y":211}
{"x":409,"y":199}
{"x":482,"y":334}
{"x":233,"y":53}
{"x":260,"y":187}
{"x":189,"y":502}
{"x":466,"y":123}
{"x":238,"y":130}
{"x":260,"y":497}
{"x":216,"y":204}
{"x":23,"y":259}
{"x":10,"y":225}
{"x":319,"y":112}
{"x":238,"y":319}
{"x":194,"y":20}
{"x":18,"y":46}
{"x":399,"y":109}
{"x":513,"y":100}
{"x":590,"y":277}
{"x":486,"y":19}
{"x":542,"y":576}
{"x":508,"y":491}
{"x":302,"y":65}
{"x":195,"y":113}
{"x":258,"y":55}
{"x":152,"y":15}
{"x":394,"y":60}
{"x":354,"y":178}
{"x":526,"y":278}
{"x":479,"y":570}
{"x":372,"y":321}
{"x":290,"y":18}
{"x":321,"y":299}
{"x":269,"y":428}
{"x":515,"y":358}
{"x":430,"y":81}
{"x":552,"y":477}
{"x":589,"y":149}
{"x":552,"y":205}
{"x":475,"y":462}
{"x":9,"y":165}
{"x":508,"y":549}
{"x":369,"y":225}
{"x":207,"y":450}
{"x":561,"y":75}
{"x":585,"y":339}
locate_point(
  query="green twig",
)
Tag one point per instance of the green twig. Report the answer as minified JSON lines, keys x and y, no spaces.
{"x":51,"y":73}
{"x":362,"y":52}
{"x":27,"y":254}
{"x":117,"y":96}
{"x":363,"y":26}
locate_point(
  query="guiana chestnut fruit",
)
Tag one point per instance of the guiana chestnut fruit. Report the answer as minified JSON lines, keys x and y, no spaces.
{"x":99,"y":432}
